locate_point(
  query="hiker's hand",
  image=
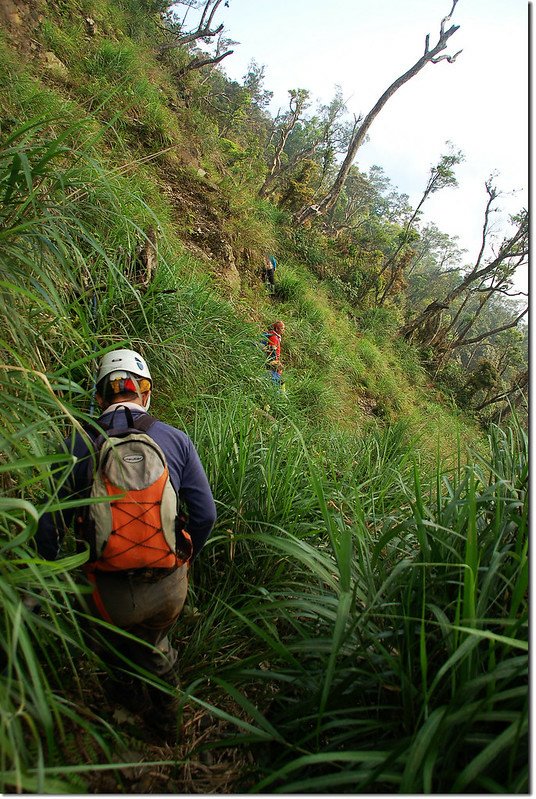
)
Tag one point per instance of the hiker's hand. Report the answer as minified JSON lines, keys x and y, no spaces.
{"x":31,"y":603}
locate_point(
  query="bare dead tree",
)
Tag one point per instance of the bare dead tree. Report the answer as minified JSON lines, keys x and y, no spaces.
{"x":203,"y":32}
{"x":512,"y":253}
{"x":203,"y":61}
{"x":430,"y":56}
{"x":519,"y":383}
{"x":297,"y":104}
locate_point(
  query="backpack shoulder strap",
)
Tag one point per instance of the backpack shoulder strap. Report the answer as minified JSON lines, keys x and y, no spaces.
{"x":143,"y":422}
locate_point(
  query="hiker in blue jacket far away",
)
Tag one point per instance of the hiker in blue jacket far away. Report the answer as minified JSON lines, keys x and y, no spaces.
{"x":268,"y":272}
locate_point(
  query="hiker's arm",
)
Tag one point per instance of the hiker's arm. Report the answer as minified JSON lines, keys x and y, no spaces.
{"x":196,"y":493}
{"x":52,"y":526}
{"x":271,"y":353}
{"x":51,"y":532}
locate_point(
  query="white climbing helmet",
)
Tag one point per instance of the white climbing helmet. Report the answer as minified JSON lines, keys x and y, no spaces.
{"x":123,"y":361}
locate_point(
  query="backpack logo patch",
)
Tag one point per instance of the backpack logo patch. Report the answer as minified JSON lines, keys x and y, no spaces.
{"x":133,"y":458}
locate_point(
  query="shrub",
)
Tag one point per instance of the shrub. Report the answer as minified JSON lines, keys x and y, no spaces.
{"x":289,"y":287}
{"x":308,"y":246}
{"x":382,"y":323}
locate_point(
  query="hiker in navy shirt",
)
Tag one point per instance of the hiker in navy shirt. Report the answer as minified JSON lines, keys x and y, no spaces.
{"x":144,"y":601}
{"x":185,"y":469}
{"x":268,"y":271}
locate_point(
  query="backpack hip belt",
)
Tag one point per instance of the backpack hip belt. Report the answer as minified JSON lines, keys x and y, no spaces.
{"x":144,"y":575}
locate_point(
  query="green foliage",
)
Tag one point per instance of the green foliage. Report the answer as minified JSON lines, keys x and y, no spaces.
{"x":391,"y":638}
{"x":120,"y":83}
{"x":64,"y":40}
{"x":362,"y":616}
{"x":382,"y":323}
{"x":113,"y":61}
{"x":300,"y":188}
{"x":482,"y":377}
{"x":272,"y":214}
{"x":442,"y":174}
{"x":308,"y":246}
{"x":410,"y":363}
{"x":232,"y":151}
{"x":290,"y":287}
{"x":452,"y":377}
{"x":253,"y":82}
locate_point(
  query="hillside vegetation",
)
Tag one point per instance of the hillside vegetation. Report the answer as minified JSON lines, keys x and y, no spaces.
{"x":357,"y":621}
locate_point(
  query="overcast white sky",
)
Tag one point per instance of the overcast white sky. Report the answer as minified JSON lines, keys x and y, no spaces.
{"x":480,"y":102}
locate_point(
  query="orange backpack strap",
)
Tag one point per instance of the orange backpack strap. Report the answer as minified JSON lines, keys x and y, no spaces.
{"x":96,"y":597}
{"x":185,"y":549}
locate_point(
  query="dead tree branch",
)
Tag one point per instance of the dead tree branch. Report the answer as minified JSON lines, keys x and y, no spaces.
{"x":488,"y":333}
{"x":203,"y":30}
{"x":197,"y":63}
{"x":512,"y":254}
{"x":429,"y":55}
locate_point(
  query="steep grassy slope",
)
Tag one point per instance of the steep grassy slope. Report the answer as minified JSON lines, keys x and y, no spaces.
{"x":354,"y":608}
{"x":175,"y":173}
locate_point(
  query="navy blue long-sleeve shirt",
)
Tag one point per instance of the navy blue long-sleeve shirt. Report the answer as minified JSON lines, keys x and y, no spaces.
{"x":186,"y":473}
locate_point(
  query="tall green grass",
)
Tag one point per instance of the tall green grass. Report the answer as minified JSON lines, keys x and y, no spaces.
{"x":65,"y":298}
{"x":393,"y":640}
{"x":362,"y":625}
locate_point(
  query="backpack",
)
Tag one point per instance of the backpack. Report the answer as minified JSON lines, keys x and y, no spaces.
{"x":267,"y":347}
{"x":273,"y":262}
{"x":139,"y":529}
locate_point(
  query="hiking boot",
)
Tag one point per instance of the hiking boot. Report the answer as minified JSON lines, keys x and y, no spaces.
{"x":165,"y":724}
{"x":130,"y":694}
{"x":164,"y":715}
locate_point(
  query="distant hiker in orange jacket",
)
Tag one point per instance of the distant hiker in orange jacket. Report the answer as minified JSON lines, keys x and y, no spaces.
{"x":272,"y":348}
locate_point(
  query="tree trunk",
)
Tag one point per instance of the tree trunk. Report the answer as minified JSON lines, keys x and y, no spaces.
{"x":512,"y":254}
{"x":298,"y":99}
{"x":430,"y":56}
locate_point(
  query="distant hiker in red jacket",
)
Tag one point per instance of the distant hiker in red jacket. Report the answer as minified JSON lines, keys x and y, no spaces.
{"x":273,"y":351}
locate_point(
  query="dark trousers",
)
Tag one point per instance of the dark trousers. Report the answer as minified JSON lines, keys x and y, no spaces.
{"x":268,"y":276}
{"x":146,"y":609}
